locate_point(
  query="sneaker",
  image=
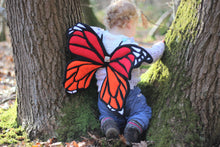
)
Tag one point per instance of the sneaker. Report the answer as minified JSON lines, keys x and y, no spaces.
{"x":131,"y":135}
{"x":109,"y":128}
{"x":132,"y":132}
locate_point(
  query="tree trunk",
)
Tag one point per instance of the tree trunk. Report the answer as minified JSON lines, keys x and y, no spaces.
{"x":186,"y":82}
{"x":2,"y":21}
{"x":175,"y":6}
{"x":88,"y":14}
{"x":38,"y":38}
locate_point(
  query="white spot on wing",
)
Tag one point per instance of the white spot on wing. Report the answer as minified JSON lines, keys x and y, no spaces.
{"x":136,"y":54}
{"x":77,"y":28}
{"x":135,"y":62}
{"x":113,"y":110}
{"x":80,"y":25}
{"x":136,"y":49}
{"x":121,"y":112}
{"x":72,"y":92}
{"x":70,"y":32}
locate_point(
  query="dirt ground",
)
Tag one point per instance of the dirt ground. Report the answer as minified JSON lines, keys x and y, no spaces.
{"x":7,"y":75}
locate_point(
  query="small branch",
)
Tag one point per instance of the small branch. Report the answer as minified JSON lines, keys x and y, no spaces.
{"x":3,"y":13}
{"x":7,"y":99}
{"x":159,"y":21}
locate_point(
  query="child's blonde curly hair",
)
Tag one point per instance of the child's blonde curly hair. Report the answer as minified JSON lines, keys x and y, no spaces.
{"x":119,"y":13}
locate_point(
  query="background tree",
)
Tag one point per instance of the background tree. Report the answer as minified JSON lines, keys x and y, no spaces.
{"x":88,"y":14}
{"x":38,"y":39}
{"x":2,"y":21}
{"x":186,"y":83}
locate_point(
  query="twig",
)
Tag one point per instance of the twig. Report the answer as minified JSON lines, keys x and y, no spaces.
{"x":3,"y":13}
{"x":7,"y":99}
{"x":159,"y":21}
{"x":92,"y":136}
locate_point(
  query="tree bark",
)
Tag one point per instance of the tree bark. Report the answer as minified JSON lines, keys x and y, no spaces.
{"x":186,"y":82}
{"x":204,"y":70}
{"x":38,"y":39}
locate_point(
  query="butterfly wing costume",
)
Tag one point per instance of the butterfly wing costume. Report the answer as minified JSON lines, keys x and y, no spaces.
{"x":91,"y":55}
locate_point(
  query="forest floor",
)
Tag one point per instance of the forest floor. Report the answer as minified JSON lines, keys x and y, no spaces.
{"x":7,"y":76}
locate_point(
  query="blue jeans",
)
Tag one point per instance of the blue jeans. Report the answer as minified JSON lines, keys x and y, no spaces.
{"x":135,"y":108}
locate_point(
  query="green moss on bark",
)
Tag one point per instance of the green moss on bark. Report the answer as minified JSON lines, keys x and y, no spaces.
{"x":174,"y":121}
{"x":80,"y":115}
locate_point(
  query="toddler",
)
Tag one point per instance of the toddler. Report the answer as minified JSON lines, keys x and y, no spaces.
{"x":121,"y":21}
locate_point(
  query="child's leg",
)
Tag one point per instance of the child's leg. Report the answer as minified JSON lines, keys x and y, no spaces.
{"x":109,"y":127}
{"x":138,"y":114}
{"x":110,"y":122}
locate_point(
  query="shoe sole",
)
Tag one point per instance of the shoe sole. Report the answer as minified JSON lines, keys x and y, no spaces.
{"x":112,"y":133}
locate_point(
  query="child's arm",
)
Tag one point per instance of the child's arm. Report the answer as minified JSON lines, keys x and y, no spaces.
{"x":156,"y":51}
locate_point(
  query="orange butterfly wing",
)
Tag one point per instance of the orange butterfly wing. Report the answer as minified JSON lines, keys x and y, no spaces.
{"x":86,"y":45}
{"x":116,"y":87}
{"x":79,"y":74}
{"x":114,"y":90}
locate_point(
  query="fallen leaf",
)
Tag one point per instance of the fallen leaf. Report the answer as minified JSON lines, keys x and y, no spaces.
{"x":141,"y":144}
{"x":122,"y":139}
{"x":52,"y":140}
{"x":37,"y":145}
{"x":72,"y":144}
{"x":57,"y":144}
